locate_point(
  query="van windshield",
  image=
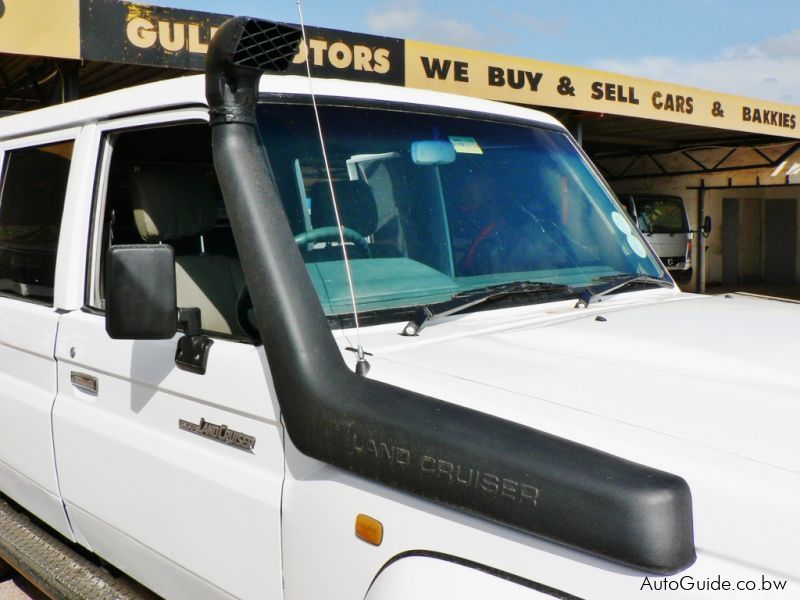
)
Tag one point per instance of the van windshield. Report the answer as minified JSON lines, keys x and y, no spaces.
{"x":437,"y":204}
{"x":661,"y":215}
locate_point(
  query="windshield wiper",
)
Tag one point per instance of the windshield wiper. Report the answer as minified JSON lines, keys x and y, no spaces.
{"x":461,"y":301}
{"x":612,"y":284}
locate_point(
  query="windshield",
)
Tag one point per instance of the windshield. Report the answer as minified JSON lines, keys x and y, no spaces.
{"x":661,"y":215}
{"x":439,"y":204}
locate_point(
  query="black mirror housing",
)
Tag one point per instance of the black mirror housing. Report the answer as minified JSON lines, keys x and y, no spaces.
{"x":141,"y":301}
{"x":707,"y":225}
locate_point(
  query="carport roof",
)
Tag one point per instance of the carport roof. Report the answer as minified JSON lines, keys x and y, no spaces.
{"x":51,"y":49}
{"x":611,"y":135}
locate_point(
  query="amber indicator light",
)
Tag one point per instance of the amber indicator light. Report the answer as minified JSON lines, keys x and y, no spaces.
{"x":370,"y":530}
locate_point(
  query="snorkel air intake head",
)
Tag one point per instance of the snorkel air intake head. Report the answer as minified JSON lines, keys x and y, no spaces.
{"x":529,"y":480}
{"x":242,"y":50}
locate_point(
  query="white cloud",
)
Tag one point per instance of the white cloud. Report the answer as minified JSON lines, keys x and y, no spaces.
{"x":456,"y":32}
{"x":769,"y":70}
{"x":411,"y":19}
{"x":520,"y":20}
{"x":394,"y":18}
{"x":781,"y":47}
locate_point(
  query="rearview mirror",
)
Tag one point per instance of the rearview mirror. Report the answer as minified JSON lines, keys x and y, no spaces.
{"x":432,"y":152}
{"x":141,"y":302}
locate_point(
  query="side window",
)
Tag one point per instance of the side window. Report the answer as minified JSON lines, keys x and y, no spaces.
{"x":31,"y":204}
{"x":160,"y":188}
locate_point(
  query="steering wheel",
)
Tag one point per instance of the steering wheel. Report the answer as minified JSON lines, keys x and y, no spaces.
{"x":331,"y":234}
{"x":244,"y":304}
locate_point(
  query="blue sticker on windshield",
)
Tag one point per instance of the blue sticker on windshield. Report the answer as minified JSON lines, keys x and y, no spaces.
{"x":621,"y":223}
{"x":625,"y":227}
{"x":637,"y":246}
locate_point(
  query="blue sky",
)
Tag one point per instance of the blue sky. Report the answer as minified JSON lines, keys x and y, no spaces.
{"x":737,"y":46}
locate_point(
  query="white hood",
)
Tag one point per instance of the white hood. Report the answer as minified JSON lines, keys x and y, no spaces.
{"x":707,"y":388}
{"x":721,"y":372}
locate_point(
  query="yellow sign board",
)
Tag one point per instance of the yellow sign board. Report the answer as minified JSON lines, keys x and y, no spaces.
{"x":538,"y":83}
{"x":40,"y":27}
{"x":133,"y":33}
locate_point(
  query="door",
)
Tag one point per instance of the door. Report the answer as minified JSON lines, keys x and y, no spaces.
{"x":741,"y":241}
{"x":780,"y":240}
{"x":35,"y":174}
{"x":730,"y":241}
{"x":750,"y":241}
{"x":147,"y":477}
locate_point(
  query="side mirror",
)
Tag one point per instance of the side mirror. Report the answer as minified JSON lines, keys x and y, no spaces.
{"x":707,"y":225}
{"x":141,"y":302}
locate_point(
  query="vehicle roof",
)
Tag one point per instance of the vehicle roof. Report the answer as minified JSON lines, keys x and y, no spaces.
{"x":190,"y":91}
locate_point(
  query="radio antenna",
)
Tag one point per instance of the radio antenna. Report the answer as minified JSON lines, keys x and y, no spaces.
{"x":362,"y":366}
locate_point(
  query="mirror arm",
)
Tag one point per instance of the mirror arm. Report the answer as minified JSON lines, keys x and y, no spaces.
{"x":192,"y":352}
{"x":189,"y":319}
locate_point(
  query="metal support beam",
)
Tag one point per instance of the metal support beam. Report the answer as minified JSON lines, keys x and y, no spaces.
{"x":25,"y":81}
{"x":658,"y":164}
{"x":762,"y":155}
{"x":68,"y":71}
{"x":34,"y":83}
{"x":702,"y":169}
{"x":726,"y":157}
{"x":680,"y":173}
{"x":786,"y":154}
{"x":700,"y":276}
{"x":695,"y":161}
{"x":628,"y":168}
{"x":732,"y":186}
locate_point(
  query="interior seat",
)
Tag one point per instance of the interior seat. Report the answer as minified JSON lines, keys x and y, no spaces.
{"x":175,"y":203}
{"x":357,"y":210}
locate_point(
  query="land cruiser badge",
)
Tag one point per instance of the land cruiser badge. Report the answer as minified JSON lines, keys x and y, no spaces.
{"x":219,"y":433}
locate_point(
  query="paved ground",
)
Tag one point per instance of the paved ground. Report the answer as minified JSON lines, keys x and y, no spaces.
{"x":18,"y":588}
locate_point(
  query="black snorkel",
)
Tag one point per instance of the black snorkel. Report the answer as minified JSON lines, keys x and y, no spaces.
{"x":471,"y":461}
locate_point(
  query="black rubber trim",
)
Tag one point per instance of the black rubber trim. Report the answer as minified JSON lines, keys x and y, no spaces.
{"x":468,"y":460}
{"x":28,"y":299}
{"x":99,"y":199}
{"x":471,"y":564}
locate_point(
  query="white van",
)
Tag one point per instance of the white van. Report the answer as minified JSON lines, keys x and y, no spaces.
{"x":434,"y":361}
{"x":665,"y":225}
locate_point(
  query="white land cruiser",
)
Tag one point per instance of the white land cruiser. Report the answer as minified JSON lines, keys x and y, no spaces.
{"x":506,"y":422}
